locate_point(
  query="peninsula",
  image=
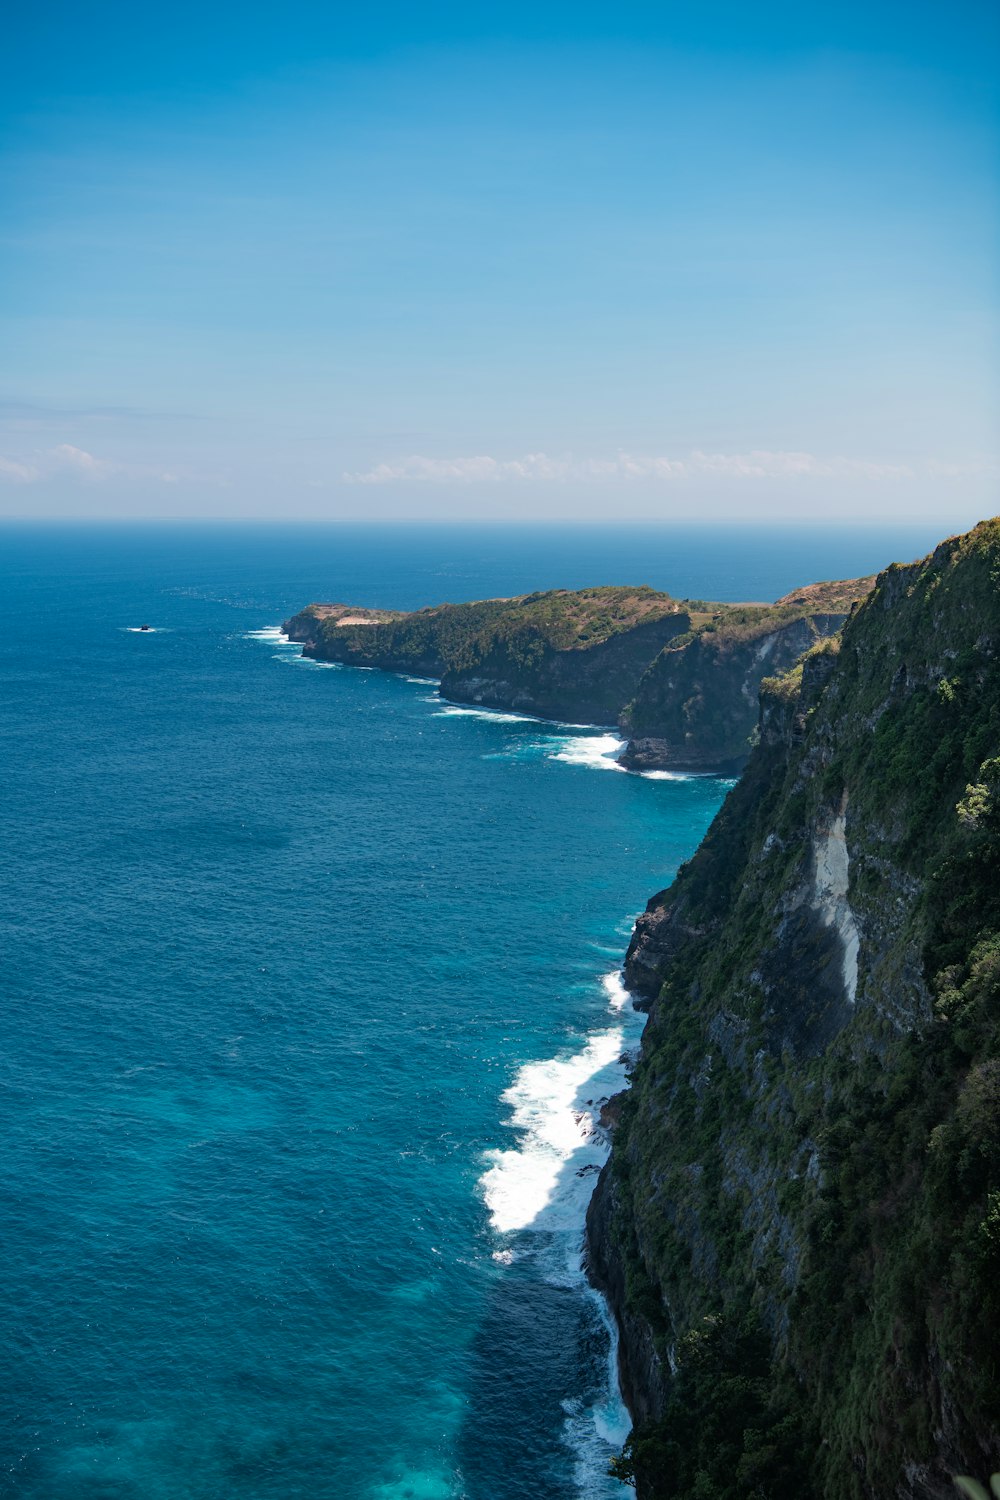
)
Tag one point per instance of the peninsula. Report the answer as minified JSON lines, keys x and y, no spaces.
{"x":679,"y":677}
{"x":798,"y":1228}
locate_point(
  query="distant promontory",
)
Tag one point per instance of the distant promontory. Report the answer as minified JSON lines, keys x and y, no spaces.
{"x":680,"y":677}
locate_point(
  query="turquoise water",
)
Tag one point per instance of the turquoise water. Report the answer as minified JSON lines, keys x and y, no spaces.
{"x":310,"y":990}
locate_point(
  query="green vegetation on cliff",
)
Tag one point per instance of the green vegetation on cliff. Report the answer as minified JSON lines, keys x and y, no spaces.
{"x":691,"y":669}
{"x":696,"y":704}
{"x":460,"y":636}
{"x":800,"y":1225}
{"x":557,"y":654}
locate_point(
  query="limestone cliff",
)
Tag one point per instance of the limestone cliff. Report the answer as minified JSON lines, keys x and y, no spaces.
{"x":799,"y":1227}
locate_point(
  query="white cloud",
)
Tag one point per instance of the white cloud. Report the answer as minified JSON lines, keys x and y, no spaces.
{"x":16,"y":472}
{"x":66,"y":460}
{"x":760,"y":463}
{"x":49,"y":462}
{"x":84,"y":462}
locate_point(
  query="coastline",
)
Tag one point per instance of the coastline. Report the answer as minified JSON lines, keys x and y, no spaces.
{"x":800,"y":1120}
{"x":321,"y":1101}
{"x":618,"y":762}
{"x":542,"y":1192}
{"x":539,"y":1195}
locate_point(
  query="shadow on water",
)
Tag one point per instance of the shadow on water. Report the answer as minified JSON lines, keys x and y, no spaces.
{"x":538,"y":1370}
{"x":538,"y":1344}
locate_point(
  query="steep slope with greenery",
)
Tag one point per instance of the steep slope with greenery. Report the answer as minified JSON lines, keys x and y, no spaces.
{"x":799,"y":1227}
{"x":571,"y":655}
{"x":692,"y":669}
{"x":696,"y":705}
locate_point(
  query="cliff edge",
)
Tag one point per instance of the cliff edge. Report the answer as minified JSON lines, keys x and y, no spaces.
{"x":680,"y":676}
{"x":571,"y":655}
{"x":695,"y":708}
{"x":799,"y":1225}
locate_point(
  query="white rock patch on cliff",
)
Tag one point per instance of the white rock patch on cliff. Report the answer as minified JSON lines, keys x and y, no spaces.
{"x":751,"y":688}
{"x":830,"y":895}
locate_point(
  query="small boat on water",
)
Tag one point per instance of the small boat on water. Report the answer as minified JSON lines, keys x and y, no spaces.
{"x":143,"y":627}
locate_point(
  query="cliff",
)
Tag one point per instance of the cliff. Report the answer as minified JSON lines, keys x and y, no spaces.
{"x":695,"y":707}
{"x":688,"y":671}
{"x":799,"y":1225}
{"x":561,"y":654}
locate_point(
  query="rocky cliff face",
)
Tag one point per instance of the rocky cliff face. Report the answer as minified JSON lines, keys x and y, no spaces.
{"x":560,"y":655}
{"x":799,"y":1227}
{"x":584,"y":686}
{"x":695,"y":707}
{"x":682,"y":679}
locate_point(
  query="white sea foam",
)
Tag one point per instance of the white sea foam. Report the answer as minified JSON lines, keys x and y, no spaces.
{"x":547,"y":1178}
{"x":548,"y":1106}
{"x":291,"y":651}
{"x":537,"y":1195}
{"x":593,"y":1432}
{"x":597,"y":751}
{"x":420,"y":681}
{"x":145,"y":630}
{"x":614,"y":987}
{"x":667,"y":775}
{"x":451,"y":710}
{"x":491,"y":715}
{"x":273,"y":634}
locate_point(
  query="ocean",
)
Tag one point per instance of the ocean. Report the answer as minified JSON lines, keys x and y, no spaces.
{"x":311,"y":994}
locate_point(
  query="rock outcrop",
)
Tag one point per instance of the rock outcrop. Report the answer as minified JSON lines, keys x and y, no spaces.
{"x":799,"y":1226}
{"x":574,"y":656}
{"x":681,"y":677}
{"x":695,"y":707}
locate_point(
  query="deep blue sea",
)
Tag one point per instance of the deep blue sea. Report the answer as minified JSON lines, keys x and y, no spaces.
{"x":310,"y":990}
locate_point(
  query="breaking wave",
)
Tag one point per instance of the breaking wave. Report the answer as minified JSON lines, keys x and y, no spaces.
{"x":490,"y":715}
{"x":537,"y":1194}
{"x":597,"y":751}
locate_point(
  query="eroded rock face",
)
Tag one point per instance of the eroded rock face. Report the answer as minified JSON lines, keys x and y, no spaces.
{"x":595,"y":656}
{"x":559,"y":655}
{"x":658,"y":935}
{"x":652,"y":753}
{"x":823,"y":982}
{"x":829,"y":896}
{"x":695,"y":707}
{"x":643,"y":1368}
{"x":581,"y":686}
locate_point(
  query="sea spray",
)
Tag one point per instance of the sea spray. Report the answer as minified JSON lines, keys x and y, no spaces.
{"x":596,"y":751}
{"x":537,"y":1195}
{"x":273,"y":633}
{"x":289,"y":651}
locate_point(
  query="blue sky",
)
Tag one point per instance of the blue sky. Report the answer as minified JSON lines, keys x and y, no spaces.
{"x":527,"y":262}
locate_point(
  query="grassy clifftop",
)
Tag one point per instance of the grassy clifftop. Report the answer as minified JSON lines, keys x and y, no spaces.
{"x":800,"y":1225}
{"x":584,"y":654}
{"x":560,"y":654}
{"x":837,"y":597}
{"x":455,"y":635}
